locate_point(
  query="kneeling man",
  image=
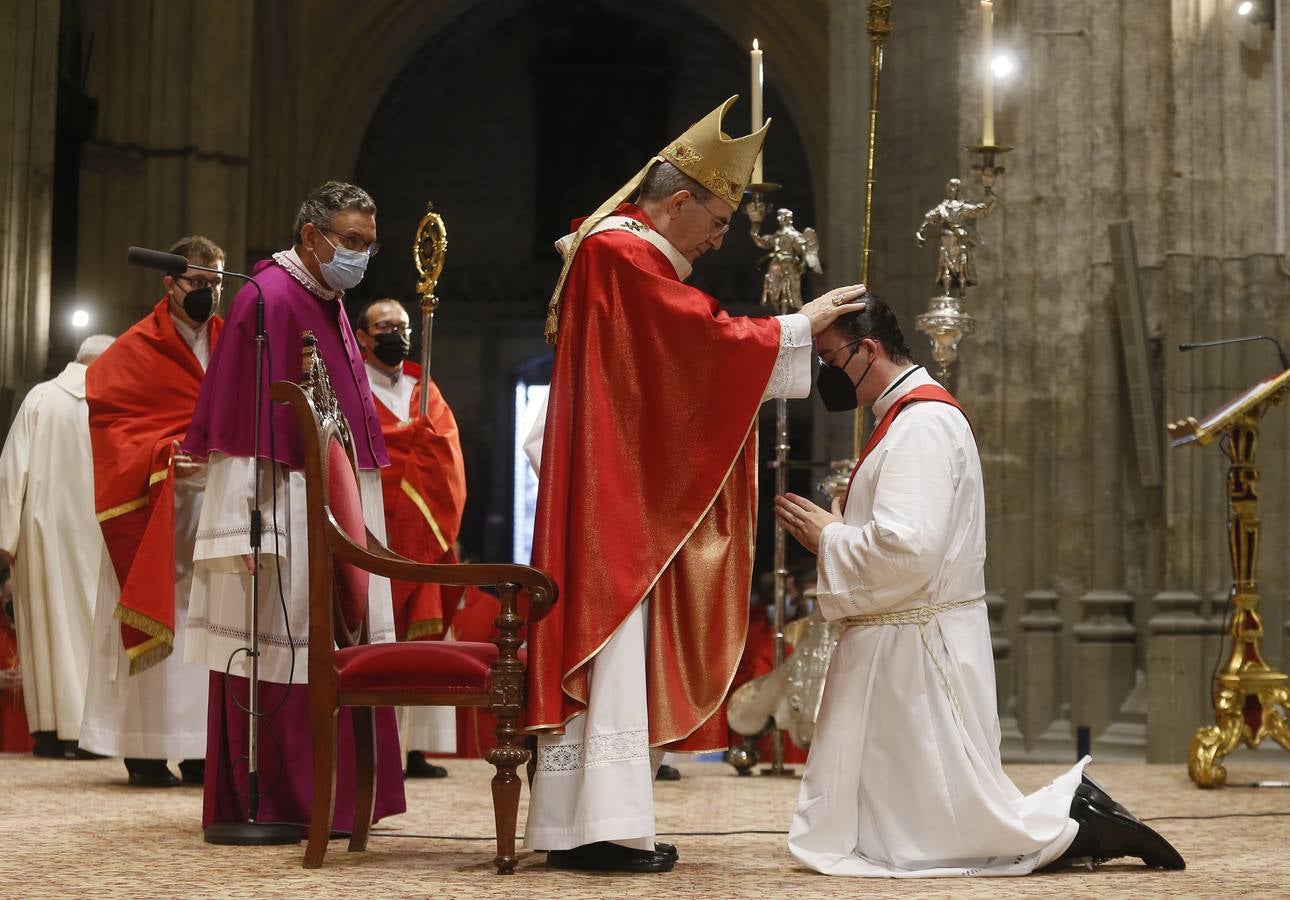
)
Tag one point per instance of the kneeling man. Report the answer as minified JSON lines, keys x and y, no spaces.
{"x":904,"y":777}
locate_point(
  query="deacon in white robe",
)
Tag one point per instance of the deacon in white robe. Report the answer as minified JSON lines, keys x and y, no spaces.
{"x":904,"y":777}
{"x":48,"y":528}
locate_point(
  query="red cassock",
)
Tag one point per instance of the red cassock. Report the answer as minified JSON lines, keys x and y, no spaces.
{"x":141,"y":393}
{"x":424,"y":488}
{"x":648,"y":486}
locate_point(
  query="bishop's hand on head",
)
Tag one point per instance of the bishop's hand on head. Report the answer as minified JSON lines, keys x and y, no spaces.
{"x":824,"y":310}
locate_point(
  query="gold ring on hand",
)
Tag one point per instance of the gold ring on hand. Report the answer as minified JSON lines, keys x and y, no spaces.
{"x":840,"y":300}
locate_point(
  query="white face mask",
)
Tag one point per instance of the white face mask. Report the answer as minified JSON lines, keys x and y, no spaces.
{"x":346,"y":268}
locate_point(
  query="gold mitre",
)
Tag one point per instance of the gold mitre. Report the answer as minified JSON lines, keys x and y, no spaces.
{"x":707,"y":154}
{"x":717,"y":161}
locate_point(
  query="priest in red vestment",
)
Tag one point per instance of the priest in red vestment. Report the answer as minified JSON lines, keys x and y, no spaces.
{"x":647,"y":498}
{"x":143,"y":700}
{"x":424,"y":488}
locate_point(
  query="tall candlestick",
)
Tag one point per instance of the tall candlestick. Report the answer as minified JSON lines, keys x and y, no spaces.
{"x":757,"y":174}
{"x":987,"y":84}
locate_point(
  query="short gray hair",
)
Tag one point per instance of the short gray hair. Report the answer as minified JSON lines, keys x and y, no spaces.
{"x":92,"y":347}
{"x":665,"y":179}
{"x":323,"y":202}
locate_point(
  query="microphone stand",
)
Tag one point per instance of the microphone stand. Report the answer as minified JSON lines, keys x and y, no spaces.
{"x":253,"y":832}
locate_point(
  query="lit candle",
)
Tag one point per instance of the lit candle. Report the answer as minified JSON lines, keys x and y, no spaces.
{"x":757,"y":175}
{"x":987,"y":89}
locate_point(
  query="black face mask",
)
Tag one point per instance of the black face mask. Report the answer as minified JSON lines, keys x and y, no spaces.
{"x":198,"y":304}
{"x":836,"y":388}
{"x":392,"y":348}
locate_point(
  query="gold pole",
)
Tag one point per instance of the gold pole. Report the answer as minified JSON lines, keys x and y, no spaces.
{"x":429,"y":248}
{"x":878,"y":25}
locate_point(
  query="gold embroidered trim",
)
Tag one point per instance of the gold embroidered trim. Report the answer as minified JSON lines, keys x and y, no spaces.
{"x":425,"y":511}
{"x":722,"y":185}
{"x":425,"y":629}
{"x":139,"y":502}
{"x":152,"y":651}
{"x":685,"y":154}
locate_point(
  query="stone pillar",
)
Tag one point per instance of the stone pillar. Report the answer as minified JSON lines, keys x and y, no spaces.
{"x":1175,"y":666}
{"x":1005,"y":681}
{"x":29,"y":46}
{"x":1104,"y":670}
{"x":170,"y":153}
{"x":1039,"y":685}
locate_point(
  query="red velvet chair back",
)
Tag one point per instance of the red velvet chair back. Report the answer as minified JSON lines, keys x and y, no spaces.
{"x":350,"y":584}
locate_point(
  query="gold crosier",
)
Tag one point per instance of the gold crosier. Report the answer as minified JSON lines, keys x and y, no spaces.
{"x":1249,"y":695}
{"x":429,"y":248}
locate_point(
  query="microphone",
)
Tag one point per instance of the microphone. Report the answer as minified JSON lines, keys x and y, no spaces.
{"x":1194,"y":345}
{"x":170,"y":263}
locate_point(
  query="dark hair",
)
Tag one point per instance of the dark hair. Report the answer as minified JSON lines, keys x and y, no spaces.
{"x":198,"y":249}
{"x":324,"y":201}
{"x":878,"y":322}
{"x":360,"y":320}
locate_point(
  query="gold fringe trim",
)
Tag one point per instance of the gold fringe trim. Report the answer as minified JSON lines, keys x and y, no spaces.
{"x":425,"y":629}
{"x":152,"y":651}
{"x":425,"y":511}
{"x":138,"y":503}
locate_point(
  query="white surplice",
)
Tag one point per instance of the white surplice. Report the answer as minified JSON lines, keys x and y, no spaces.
{"x":429,"y":729}
{"x":47,"y":522}
{"x":595,"y":782}
{"x":904,"y":777}
{"x":159,"y":713}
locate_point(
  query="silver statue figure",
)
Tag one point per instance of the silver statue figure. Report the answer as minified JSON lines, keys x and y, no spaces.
{"x":955,"y":217}
{"x":791,"y":253}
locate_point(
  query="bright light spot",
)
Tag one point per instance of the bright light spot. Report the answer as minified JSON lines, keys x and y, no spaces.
{"x":1003,"y":65}
{"x":756,"y":47}
{"x":1246,"y":7}
{"x":80,"y":318}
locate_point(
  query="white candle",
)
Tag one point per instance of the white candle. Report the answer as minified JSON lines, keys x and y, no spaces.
{"x":757,"y":175}
{"x":987,"y":89}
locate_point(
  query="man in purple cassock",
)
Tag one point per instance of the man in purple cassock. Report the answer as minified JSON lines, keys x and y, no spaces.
{"x":335,"y":235}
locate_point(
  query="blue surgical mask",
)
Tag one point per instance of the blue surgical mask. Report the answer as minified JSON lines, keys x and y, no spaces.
{"x":346,"y":268}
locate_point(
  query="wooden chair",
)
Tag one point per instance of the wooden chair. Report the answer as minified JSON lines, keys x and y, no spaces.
{"x":346,"y":670}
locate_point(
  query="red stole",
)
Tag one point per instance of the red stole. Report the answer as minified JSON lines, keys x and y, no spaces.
{"x":424,"y":488}
{"x":648,"y":486}
{"x":924,"y":392}
{"x":141,"y":393}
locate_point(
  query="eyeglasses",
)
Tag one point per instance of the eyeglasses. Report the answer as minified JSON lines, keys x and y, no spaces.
{"x":197,"y":283}
{"x":389,"y":328}
{"x":353,"y":242}
{"x":823,"y":358}
{"x":722,"y":223}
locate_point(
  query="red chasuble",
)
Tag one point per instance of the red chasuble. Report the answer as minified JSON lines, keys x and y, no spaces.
{"x":648,"y":486}
{"x":141,"y":393}
{"x":424,"y":488}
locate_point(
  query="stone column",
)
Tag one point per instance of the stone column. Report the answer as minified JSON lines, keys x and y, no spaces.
{"x":29,"y":46}
{"x":1175,"y":666}
{"x":1104,"y":670}
{"x":1039,"y":685}
{"x":1005,"y":682}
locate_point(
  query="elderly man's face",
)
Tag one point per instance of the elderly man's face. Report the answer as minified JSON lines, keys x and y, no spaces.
{"x":349,"y":228}
{"x":699,"y":227}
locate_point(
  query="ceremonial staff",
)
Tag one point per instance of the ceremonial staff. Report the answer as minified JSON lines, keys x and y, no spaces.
{"x":428,"y":250}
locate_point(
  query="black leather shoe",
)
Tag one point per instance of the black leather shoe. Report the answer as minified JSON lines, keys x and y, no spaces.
{"x":667,"y":773}
{"x":666,"y":849}
{"x":151,"y":773}
{"x":1105,"y":833}
{"x":418,"y":767}
{"x":192,"y":771}
{"x":47,"y":745}
{"x":604,"y":856}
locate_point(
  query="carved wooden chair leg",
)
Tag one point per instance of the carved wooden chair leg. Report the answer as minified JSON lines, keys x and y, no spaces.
{"x":324,"y":729}
{"x":364,"y":722}
{"x":506,"y":788}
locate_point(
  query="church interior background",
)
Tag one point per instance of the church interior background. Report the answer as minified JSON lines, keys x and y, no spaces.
{"x":136,"y":121}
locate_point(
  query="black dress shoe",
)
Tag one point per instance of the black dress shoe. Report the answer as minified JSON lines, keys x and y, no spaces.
{"x":79,"y":752}
{"x":418,"y":767}
{"x":192,"y":771}
{"x":667,"y":773}
{"x":152,"y":773}
{"x":1106,"y":833}
{"x":604,"y":856}
{"x":47,"y":745}
{"x":666,"y":849}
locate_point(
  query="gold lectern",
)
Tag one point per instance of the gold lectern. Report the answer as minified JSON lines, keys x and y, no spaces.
{"x":1249,"y":695}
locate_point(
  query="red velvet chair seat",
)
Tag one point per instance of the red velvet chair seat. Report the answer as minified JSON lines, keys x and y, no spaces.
{"x":450,"y":667}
